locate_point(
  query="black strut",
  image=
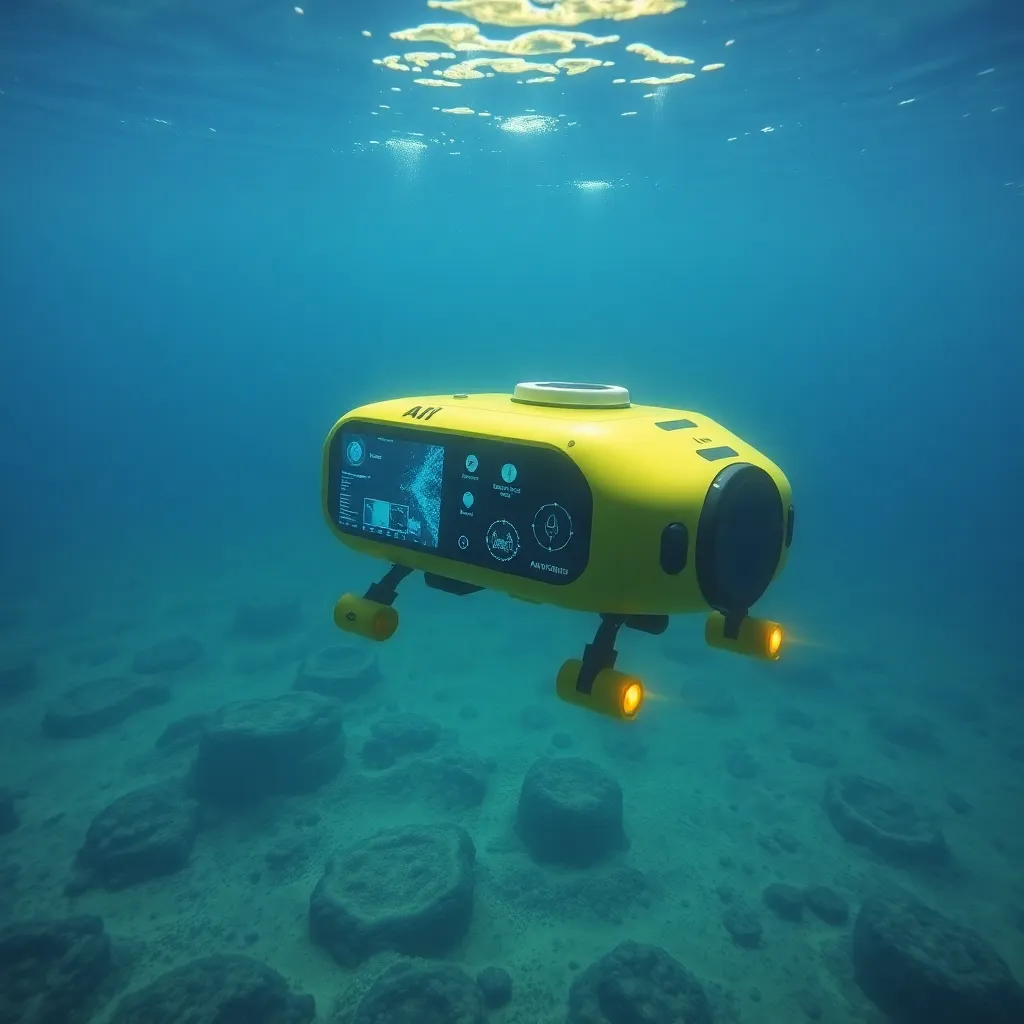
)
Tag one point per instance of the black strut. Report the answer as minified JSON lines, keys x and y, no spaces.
{"x":385,"y":590}
{"x":600,"y":654}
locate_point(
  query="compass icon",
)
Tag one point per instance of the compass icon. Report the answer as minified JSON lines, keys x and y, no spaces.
{"x":552,"y":527}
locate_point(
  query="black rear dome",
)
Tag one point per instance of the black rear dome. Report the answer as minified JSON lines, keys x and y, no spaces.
{"x":740,"y":535}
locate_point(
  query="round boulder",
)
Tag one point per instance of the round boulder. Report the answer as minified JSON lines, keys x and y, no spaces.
{"x":344,"y":671}
{"x":787,"y":901}
{"x":917,"y":965}
{"x":422,"y":993}
{"x":216,"y":990}
{"x":252,"y":749}
{"x":874,"y":815}
{"x":743,"y":924}
{"x":636,"y":982}
{"x":570,"y":812}
{"x":169,"y":656}
{"x":100,"y":704}
{"x":144,"y":834}
{"x":826,"y":904}
{"x":495,"y":984}
{"x":55,"y":970}
{"x":409,"y":890}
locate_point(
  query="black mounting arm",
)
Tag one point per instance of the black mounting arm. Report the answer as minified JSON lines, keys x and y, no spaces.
{"x":385,"y":590}
{"x":601,"y":653}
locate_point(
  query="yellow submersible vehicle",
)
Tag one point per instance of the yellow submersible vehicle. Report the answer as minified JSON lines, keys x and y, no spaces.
{"x":565,"y":494}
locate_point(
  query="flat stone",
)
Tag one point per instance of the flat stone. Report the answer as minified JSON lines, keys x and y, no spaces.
{"x":872,"y":814}
{"x":912,"y":732}
{"x":101,"y":704}
{"x":343,"y":671}
{"x":252,"y":749}
{"x":168,"y":656}
{"x":396,"y":736}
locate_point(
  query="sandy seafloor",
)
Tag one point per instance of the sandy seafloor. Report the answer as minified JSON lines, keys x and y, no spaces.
{"x":482,"y":668}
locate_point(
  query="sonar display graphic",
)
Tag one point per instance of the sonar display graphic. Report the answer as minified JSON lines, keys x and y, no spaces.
{"x":421,"y":482}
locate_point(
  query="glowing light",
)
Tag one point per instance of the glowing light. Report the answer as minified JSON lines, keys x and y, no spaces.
{"x":632,"y":698}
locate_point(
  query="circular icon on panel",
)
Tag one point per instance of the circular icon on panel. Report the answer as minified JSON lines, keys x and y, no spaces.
{"x":355,"y":452}
{"x":502,"y":540}
{"x":471,"y":463}
{"x":552,"y":527}
{"x":509,"y":472}
{"x":467,"y":500}
{"x":463,"y":542}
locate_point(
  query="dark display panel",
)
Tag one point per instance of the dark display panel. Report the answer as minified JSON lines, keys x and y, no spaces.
{"x":504,"y":505}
